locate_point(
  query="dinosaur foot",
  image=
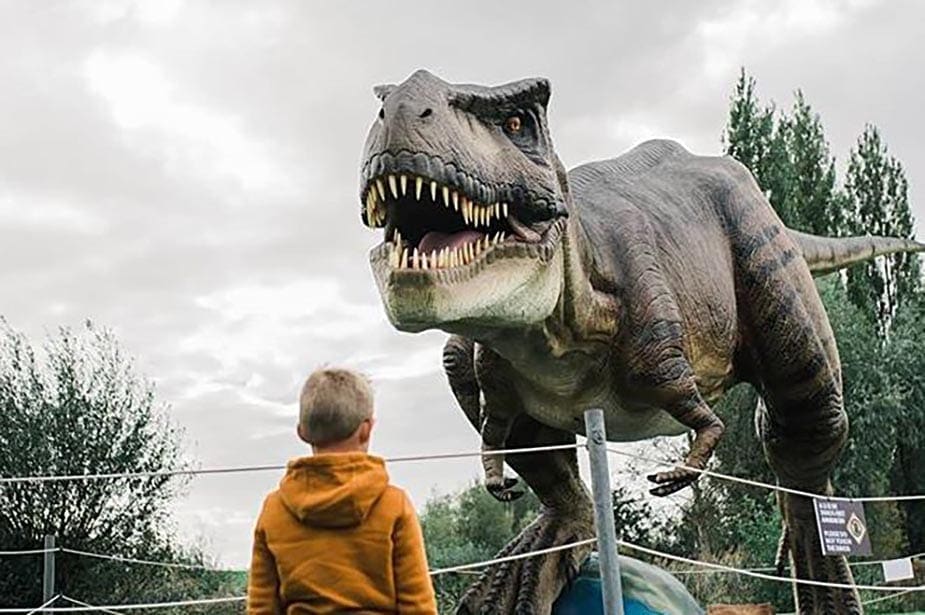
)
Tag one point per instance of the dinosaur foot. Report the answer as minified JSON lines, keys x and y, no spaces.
{"x":800,"y":540}
{"x":530,"y":586}
{"x":674,"y":480}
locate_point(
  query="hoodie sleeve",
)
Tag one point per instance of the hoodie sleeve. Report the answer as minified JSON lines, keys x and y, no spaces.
{"x":413,"y":588}
{"x":262,"y":580}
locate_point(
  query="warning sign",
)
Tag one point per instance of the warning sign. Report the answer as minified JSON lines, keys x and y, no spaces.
{"x":842,"y":527}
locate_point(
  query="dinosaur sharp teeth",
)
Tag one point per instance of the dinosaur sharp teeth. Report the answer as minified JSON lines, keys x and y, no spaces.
{"x":504,"y":209}
{"x":418,"y":184}
{"x":403,"y":182}
{"x":498,"y":210}
{"x":392,"y":187}
{"x":381,"y":188}
{"x":456,"y":200}
{"x":446,"y":196}
{"x":433,"y":191}
{"x":403,"y":261}
{"x":415,"y":261}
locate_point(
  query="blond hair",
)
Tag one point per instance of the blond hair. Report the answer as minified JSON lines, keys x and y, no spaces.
{"x":332,"y":405}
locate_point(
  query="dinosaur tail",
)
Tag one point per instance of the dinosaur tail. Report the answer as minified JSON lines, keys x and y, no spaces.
{"x":828,"y":254}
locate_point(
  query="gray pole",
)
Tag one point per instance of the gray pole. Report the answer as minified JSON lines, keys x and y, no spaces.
{"x":48,"y":579}
{"x":603,"y":512}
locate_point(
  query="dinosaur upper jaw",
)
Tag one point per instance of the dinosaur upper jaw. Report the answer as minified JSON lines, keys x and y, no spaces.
{"x":448,"y":261}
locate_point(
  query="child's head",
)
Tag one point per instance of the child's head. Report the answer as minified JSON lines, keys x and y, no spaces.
{"x":336,"y":411}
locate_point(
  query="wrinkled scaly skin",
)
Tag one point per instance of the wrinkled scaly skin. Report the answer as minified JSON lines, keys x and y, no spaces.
{"x":645,"y":285}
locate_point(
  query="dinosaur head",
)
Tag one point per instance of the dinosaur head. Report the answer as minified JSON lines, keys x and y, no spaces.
{"x":472,"y":198}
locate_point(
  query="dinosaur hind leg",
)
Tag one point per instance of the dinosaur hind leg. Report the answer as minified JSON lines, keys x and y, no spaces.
{"x":802,"y":456}
{"x":801,"y":540}
{"x":530,"y":586}
{"x":527,"y":586}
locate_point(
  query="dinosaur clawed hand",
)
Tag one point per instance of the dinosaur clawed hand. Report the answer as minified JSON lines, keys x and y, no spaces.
{"x":674,"y":480}
{"x":506,"y":489}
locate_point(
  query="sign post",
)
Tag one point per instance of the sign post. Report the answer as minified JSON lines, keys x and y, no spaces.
{"x":842,"y":527}
{"x":611,"y":585}
{"x":48,"y":576}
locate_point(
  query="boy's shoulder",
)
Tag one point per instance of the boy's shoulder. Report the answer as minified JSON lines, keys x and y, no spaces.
{"x":395,"y":500}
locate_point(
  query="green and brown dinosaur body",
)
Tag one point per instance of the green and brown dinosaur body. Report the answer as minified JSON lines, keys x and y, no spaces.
{"x":646,"y":285}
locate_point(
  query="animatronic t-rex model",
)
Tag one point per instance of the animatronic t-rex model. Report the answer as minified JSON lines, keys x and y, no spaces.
{"x":645,"y":285}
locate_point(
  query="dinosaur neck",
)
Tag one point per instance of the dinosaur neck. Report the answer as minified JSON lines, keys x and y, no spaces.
{"x":583,"y":316}
{"x":581,"y":321}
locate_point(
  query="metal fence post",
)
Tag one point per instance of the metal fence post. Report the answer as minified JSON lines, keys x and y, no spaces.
{"x":603,"y":512}
{"x":48,"y":578}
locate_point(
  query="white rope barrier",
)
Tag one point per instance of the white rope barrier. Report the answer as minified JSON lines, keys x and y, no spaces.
{"x":80,"y":603}
{"x":888,"y":597}
{"x":511,"y":558}
{"x":754,"y":483}
{"x":128,"y":607}
{"x":491,"y":453}
{"x":769,"y":577}
{"x":876,"y":562}
{"x":54,"y":478}
{"x":147,"y":562}
{"x":463,"y":568}
{"x":9,"y":480}
{"x":37,"y":609}
{"x":30,"y":552}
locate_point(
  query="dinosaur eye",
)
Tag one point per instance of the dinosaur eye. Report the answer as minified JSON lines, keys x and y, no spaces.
{"x":513,"y":124}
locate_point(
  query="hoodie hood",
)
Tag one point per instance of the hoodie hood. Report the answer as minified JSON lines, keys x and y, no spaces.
{"x":336,"y":490}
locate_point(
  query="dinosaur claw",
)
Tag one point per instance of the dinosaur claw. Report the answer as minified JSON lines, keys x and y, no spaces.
{"x":671,"y":481}
{"x":505,"y":491}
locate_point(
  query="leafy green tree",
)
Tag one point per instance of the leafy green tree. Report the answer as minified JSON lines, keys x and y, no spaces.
{"x":907,"y":365}
{"x":877,"y":192}
{"x":751,"y":137}
{"x":811,"y":199}
{"x":76,"y":406}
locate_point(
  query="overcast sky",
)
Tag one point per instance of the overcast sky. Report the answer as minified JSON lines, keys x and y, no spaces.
{"x":186,"y":174}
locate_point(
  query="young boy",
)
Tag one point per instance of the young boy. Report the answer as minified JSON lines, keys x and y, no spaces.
{"x":336,"y":537}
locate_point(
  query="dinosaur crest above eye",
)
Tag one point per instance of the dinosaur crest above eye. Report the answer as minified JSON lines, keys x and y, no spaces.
{"x":382,"y":91}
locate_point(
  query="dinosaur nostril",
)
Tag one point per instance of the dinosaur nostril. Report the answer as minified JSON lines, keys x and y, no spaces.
{"x":426,"y":112}
{"x":382,"y":113}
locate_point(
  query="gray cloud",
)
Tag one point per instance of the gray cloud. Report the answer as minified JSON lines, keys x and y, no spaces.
{"x":187,"y":174}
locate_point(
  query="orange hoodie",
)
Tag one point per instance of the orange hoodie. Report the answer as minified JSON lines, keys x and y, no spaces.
{"x":336,"y":537}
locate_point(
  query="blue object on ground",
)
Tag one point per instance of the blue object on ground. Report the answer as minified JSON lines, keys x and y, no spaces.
{"x":647,"y":590}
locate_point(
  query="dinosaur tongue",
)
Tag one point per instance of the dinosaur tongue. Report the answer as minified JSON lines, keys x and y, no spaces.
{"x":435,"y":240}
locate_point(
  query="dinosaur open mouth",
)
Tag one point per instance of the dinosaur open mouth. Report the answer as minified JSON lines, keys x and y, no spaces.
{"x":434,"y":226}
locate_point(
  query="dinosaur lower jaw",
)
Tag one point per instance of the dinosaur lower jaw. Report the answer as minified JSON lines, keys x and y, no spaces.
{"x":497,"y":282}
